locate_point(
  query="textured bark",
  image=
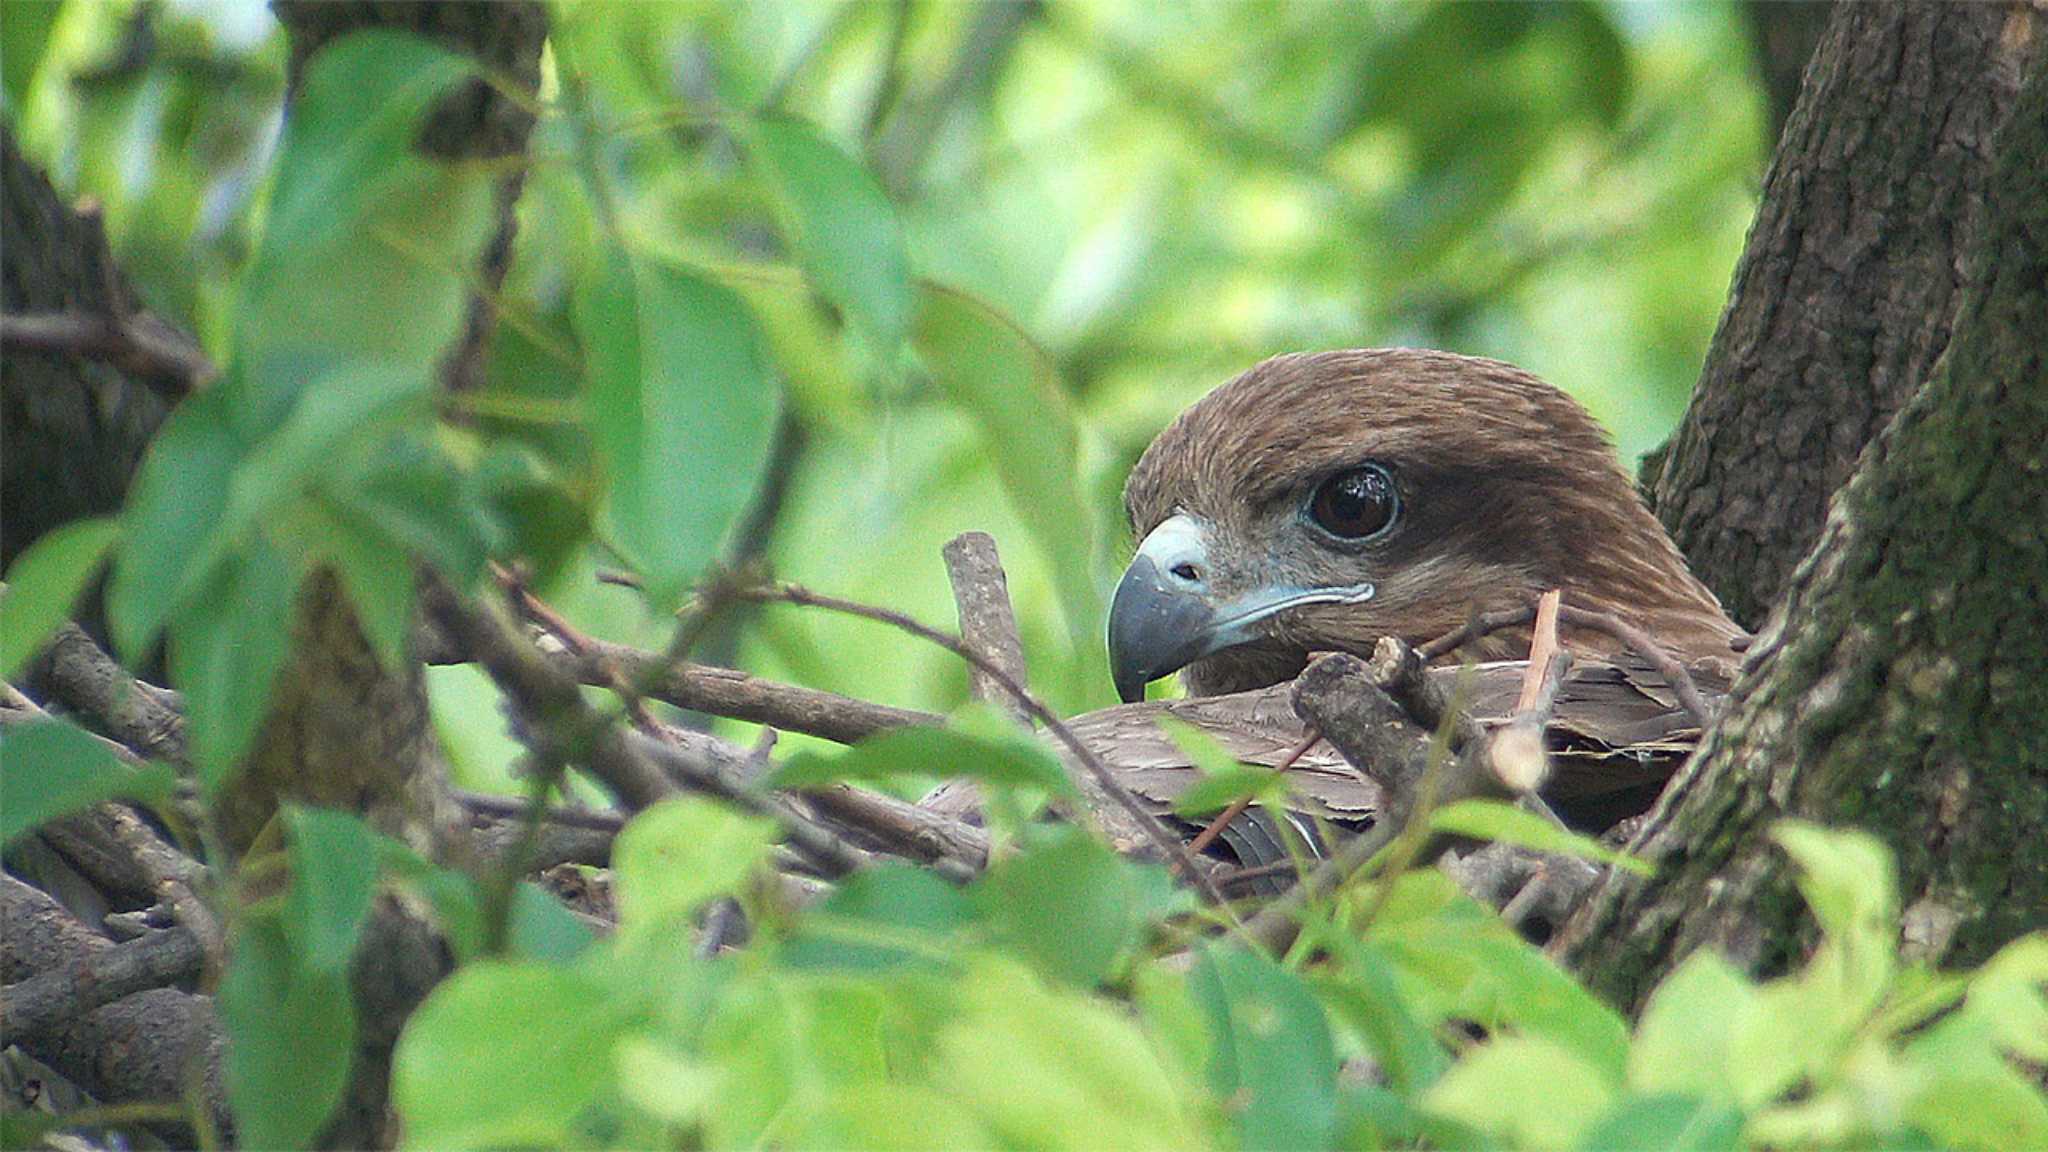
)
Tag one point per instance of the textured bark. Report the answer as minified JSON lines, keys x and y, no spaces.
{"x":1848,"y":285}
{"x":342,"y":731}
{"x":140,"y":1047}
{"x":72,"y":430}
{"x":1903,"y":685}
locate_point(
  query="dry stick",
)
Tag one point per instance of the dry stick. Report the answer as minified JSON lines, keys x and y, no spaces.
{"x":1162,"y":837}
{"x":988,"y":623}
{"x":716,"y":691}
{"x":1237,"y":807}
{"x":136,"y":713}
{"x":1652,"y":653}
{"x":1633,"y":638}
{"x":69,"y":991}
{"x":638,"y":769}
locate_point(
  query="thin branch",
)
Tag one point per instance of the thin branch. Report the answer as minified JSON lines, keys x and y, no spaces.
{"x":138,"y":714}
{"x":1237,"y":807}
{"x":1162,"y":837}
{"x":1651,"y":652}
{"x":988,"y":622}
{"x":68,"y":991}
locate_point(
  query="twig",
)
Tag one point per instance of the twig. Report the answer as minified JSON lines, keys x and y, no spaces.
{"x":138,"y":714}
{"x":1161,"y":837}
{"x":988,"y":623}
{"x":1237,"y":807}
{"x":1479,"y":626}
{"x":69,"y":991}
{"x":1651,"y":652}
{"x":137,"y":343}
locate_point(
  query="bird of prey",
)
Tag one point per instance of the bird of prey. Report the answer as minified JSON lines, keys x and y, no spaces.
{"x":1320,"y":501}
{"x":1323,"y":500}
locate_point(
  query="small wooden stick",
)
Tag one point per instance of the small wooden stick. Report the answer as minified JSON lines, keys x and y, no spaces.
{"x":1237,"y":807}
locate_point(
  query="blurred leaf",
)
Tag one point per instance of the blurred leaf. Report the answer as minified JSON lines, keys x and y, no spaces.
{"x":1068,"y":905}
{"x":1523,"y":1091}
{"x":1224,"y":780}
{"x":377,"y":575}
{"x":543,"y":928}
{"x":179,"y":496}
{"x":916,"y":753}
{"x":840,"y":225}
{"x":1849,"y":880}
{"x":227,"y":647}
{"x":887,"y":1116}
{"x":44,"y":583}
{"x":55,"y":767}
{"x":673,"y":857}
{"x":880,"y":917}
{"x":366,"y":244}
{"x":992,"y":371}
{"x":1666,"y":1124}
{"x":1682,"y":1043}
{"x":682,"y":409}
{"x":334,"y":877}
{"x":408,"y":492}
{"x":1272,"y":1052}
{"x":1012,"y":1046}
{"x":548,"y":521}
{"x":504,"y":1053}
{"x":21,"y":46}
{"x":1365,"y":994}
{"x":1506,"y":824}
{"x":291,"y":1037}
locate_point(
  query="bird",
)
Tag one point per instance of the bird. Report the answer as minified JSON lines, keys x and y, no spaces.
{"x":1322,"y":500}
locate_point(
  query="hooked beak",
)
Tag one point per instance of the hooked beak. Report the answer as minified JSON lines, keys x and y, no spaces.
{"x":1165,"y":617}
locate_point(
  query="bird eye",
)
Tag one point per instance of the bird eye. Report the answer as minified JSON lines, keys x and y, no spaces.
{"x":1356,"y":503}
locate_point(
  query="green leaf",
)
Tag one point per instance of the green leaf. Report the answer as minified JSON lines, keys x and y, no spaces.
{"x":1365,"y":993}
{"x":899,"y":754}
{"x":886,"y":1116}
{"x":1666,"y":1124}
{"x":1524,"y":1091}
{"x":840,"y":226}
{"x":1682,"y":1043}
{"x":21,"y":52}
{"x":375,"y":572}
{"x":168,"y":527}
{"x":682,"y":411}
{"x":408,"y":493}
{"x":367,"y":242}
{"x":54,"y":767}
{"x":881,"y":917}
{"x":227,"y":647}
{"x":673,"y":857}
{"x":1224,"y":780}
{"x":291,"y":1038}
{"x":1848,"y":878}
{"x":1068,"y":905}
{"x":1272,"y":1051}
{"x":992,"y":372}
{"x":547,"y":520}
{"x":542,"y":928}
{"x":1054,"y":1069}
{"x":334,"y":877}
{"x":504,"y":1053}
{"x":1507,"y":824}
{"x":44,"y":583}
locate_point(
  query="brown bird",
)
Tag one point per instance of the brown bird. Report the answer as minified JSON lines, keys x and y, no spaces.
{"x":1323,"y":500}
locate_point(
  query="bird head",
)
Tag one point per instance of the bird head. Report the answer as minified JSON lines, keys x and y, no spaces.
{"x":1322,"y":500}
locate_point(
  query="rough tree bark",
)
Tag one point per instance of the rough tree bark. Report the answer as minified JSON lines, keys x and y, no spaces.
{"x":1848,"y":285}
{"x":1903,"y":685}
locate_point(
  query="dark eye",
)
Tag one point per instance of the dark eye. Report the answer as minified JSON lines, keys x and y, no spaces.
{"x":1356,"y":503}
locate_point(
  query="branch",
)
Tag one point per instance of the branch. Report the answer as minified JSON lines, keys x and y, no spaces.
{"x":69,"y":990}
{"x":988,"y":623}
{"x":1161,"y":837}
{"x":137,"y":343}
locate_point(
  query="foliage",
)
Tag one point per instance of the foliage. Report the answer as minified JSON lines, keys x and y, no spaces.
{"x":709,"y":260}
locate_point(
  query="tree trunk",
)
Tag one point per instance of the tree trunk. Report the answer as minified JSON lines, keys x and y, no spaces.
{"x":343,"y":731}
{"x":72,"y":429}
{"x":1903,"y":685}
{"x":1848,"y":285}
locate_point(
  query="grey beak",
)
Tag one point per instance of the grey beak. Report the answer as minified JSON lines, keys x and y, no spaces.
{"x":1165,"y":615}
{"x":1158,"y":624}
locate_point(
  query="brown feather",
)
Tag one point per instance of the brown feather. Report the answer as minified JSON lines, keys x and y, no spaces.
{"x":1508,"y":487}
